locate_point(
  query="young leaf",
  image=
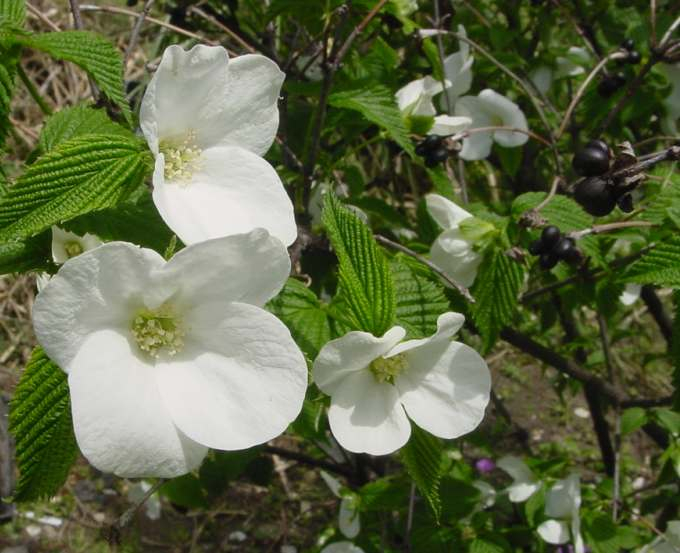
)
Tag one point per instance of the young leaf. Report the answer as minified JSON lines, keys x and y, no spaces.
{"x":496,"y":290}
{"x":377,"y":104}
{"x":659,"y":266}
{"x":40,"y":420}
{"x":365,"y":277}
{"x":423,"y":459}
{"x":12,"y":13}
{"x":81,"y":175}
{"x":91,"y":52}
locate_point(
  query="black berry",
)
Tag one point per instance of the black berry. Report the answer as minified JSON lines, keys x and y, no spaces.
{"x":610,"y":84}
{"x":429,"y":144}
{"x":599,"y":144}
{"x":435,"y":157}
{"x":550,"y":236}
{"x":591,"y":162}
{"x":566,"y":250}
{"x":625,"y":203}
{"x":628,"y":44}
{"x":634,"y":57}
{"x":548,"y":260}
{"x":595,"y":197}
{"x":537,"y":247}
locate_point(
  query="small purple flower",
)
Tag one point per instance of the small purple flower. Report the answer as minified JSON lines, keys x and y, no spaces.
{"x":485,"y":465}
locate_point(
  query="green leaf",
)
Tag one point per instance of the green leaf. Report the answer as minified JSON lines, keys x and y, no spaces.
{"x":91,"y":52}
{"x":301,"y":311}
{"x":40,"y":420}
{"x":633,"y":419}
{"x":365,"y":279}
{"x":496,"y":290}
{"x":185,"y":491}
{"x":32,"y":254}
{"x":77,"y":121}
{"x":81,"y":175}
{"x":7,"y":75}
{"x":604,"y":536}
{"x":659,"y":266}
{"x":419,"y":300}
{"x":489,"y":544}
{"x":12,"y":13}
{"x":424,"y":461}
{"x":377,"y":104}
{"x":222,"y":467}
{"x":675,"y":350}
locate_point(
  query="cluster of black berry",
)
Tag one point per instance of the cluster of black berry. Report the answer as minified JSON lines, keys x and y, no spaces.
{"x":552,"y":247}
{"x":612,"y":82}
{"x":432,"y":149}
{"x":598,"y":196}
{"x":634,"y":56}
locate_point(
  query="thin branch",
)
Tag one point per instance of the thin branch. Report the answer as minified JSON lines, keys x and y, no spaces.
{"x":33,"y":91}
{"x":464,"y":134}
{"x":403,"y":249}
{"x":356,"y":32}
{"x":223,"y":27}
{"x":656,"y":310}
{"x":669,"y":32}
{"x":440,"y":53}
{"x":134,"y":36}
{"x":78,"y":24}
{"x":647,"y":402}
{"x":307,"y":460}
{"x":40,"y":15}
{"x":609,"y":227}
{"x":126,"y":517}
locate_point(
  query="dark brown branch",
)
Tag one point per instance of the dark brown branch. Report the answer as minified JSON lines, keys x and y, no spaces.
{"x":309,"y":461}
{"x":656,"y":310}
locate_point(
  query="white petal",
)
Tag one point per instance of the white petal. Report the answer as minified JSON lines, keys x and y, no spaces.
{"x":630,"y":294}
{"x":416,"y":97}
{"x":487,"y":492}
{"x":224,"y":102}
{"x":554,"y":531}
{"x":524,"y":485}
{"x":348,"y":518}
{"x":478,"y":144}
{"x":342,"y":547}
{"x":454,"y":255}
{"x":353,"y":352}
{"x":445,"y":125}
{"x":240,"y":379}
{"x":409,"y":94}
{"x":448,"y":324}
{"x":60,"y":239}
{"x":365,"y":416}
{"x":521,"y":491}
{"x":508,"y":114}
{"x":248,"y":268}
{"x":232,"y":191}
{"x":120,"y":421}
{"x":579,"y":546}
{"x":447,"y":214}
{"x":98,"y":289}
{"x":445,"y":388}
{"x":333,"y":483}
{"x":564,"y":498}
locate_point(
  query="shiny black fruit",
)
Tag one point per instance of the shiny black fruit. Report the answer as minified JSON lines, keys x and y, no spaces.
{"x":429,"y":144}
{"x":435,"y":157}
{"x":634,"y":57}
{"x":548,"y":260}
{"x":595,"y":197}
{"x":537,"y":247}
{"x":566,"y":250}
{"x":628,"y":44}
{"x":610,"y":84}
{"x":550,"y":236}
{"x":625,"y":203}
{"x":599,"y":144}
{"x":591,"y":162}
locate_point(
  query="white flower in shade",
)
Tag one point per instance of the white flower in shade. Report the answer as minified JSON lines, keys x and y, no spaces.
{"x":490,"y":109}
{"x":453,"y":250}
{"x":348,"y":516}
{"x":342,"y":547}
{"x":374,"y":383}
{"x":66,"y":245}
{"x":458,"y":72}
{"x":208,"y":120}
{"x":524,"y":483}
{"x":669,"y":124}
{"x":167,"y":359}
{"x":487,"y":493}
{"x":562,"y":505}
{"x":669,"y":543}
{"x":572,"y":63}
{"x":630,"y":294}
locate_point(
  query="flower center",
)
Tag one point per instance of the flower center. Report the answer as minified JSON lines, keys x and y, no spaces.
{"x":158,"y":330}
{"x":73,"y":249}
{"x":181,"y":158}
{"x":388,"y":369}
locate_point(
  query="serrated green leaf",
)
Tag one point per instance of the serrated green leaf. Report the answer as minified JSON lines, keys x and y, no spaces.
{"x":675,"y":350}
{"x":12,"y":13}
{"x":77,"y":121}
{"x":301,"y":311}
{"x":662,"y":204}
{"x":496,"y":291}
{"x":29,"y":255}
{"x":7,"y":76}
{"x":91,"y":52}
{"x":81,"y":175}
{"x":419,"y":300}
{"x":424,"y":462}
{"x":604,"y":536}
{"x":40,"y":420}
{"x":377,"y":104}
{"x":365,"y":279}
{"x":659,"y":266}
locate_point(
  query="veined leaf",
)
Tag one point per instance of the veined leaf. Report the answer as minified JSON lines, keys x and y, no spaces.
{"x":496,"y":290}
{"x":675,"y":350}
{"x":81,"y":175}
{"x":7,"y":75}
{"x":91,"y":52}
{"x":659,"y":266}
{"x":423,"y":459}
{"x":301,"y":311}
{"x":12,"y":13}
{"x":77,"y":121}
{"x":32,"y":254}
{"x":365,"y":276}
{"x":377,"y":104}
{"x":40,"y":420}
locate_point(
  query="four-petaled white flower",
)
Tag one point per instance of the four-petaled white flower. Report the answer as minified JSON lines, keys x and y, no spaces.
{"x":166,"y":359}
{"x":524,"y":483}
{"x":208,"y":120}
{"x":669,"y":543}
{"x":458,"y":72}
{"x":562,"y":504}
{"x":452,"y":251}
{"x":66,"y":245}
{"x":415,"y":100}
{"x":374,"y":383}
{"x":490,"y":109}
{"x":669,"y":124}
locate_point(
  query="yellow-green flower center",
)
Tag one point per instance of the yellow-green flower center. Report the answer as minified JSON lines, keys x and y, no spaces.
{"x":157,"y":331}
{"x":181,"y":157}
{"x":73,"y":249}
{"x":388,"y":369}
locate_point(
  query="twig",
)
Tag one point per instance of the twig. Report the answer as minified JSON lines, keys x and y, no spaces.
{"x":551,"y":194}
{"x":223,"y":27}
{"x":464,"y":134}
{"x":462,"y":181}
{"x":396,"y":246}
{"x":307,"y":460}
{"x":440,"y":53}
{"x":411,"y":507}
{"x":601,"y":229}
{"x":355,"y":33}
{"x":652,"y":21}
{"x":126,"y":517}
{"x":656,"y":310}
{"x":40,"y":15}
{"x":647,"y":402}
{"x":669,"y":32}
{"x":78,"y":24}
{"x":134,"y":36}
{"x":33,"y":91}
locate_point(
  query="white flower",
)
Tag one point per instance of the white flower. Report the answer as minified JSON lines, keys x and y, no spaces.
{"x":669,"y":543}
{"x":66,"y":245}
{"x":572,"y":64}
{"x":524,"y":483}
{"x":207,"y":121}
{"x":374,"y":383}
{"x":542,"y":77}
{"x":490,"y":109}
{"x":342,"y":547}
{"x":165,"y":359}
{"x":562,"y":505}
{"x":487,"y":493}
{"x":630,"y":294}
{"x":669,"y":124}
{"x":348,"y":516}
{"x":452,"y":251}
{"x":458,"y":72}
